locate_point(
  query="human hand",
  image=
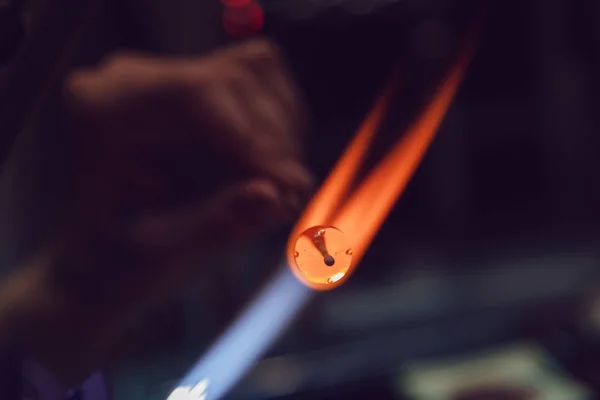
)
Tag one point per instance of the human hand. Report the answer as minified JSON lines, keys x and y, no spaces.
{"x":176,"y":158}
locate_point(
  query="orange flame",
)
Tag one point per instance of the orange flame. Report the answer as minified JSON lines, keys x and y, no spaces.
{"x":362,"y":215}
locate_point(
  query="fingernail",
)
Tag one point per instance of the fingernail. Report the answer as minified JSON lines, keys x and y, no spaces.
{"x":293,"y":203}
{"x":294,"y":174}
{"x":260,"y":203}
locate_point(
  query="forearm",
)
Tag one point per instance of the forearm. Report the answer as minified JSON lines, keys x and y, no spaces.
{"x":10,"y":361}
{"x":71,"y":306}
{"x":14,"y":302}
{"x":48,"y":322}
{"x":10,"y":374}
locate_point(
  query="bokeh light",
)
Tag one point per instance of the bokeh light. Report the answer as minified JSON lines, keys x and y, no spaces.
{"x":235,"y":3}
{"x":245,"y":19}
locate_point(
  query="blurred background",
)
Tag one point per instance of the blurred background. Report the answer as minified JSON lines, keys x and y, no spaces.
{"x":483,"y":283}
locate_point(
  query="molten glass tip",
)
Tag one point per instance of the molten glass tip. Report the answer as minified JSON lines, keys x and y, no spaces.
{"x":322,"y":255}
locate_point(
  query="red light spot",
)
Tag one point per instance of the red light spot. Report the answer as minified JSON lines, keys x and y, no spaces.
{"x":244,"y":20}
{"x":235,"y":3}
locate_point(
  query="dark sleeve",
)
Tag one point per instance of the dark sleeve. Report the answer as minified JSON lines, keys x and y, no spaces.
{"x":10,"y":375}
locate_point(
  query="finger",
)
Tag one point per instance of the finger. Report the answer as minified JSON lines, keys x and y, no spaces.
{"x":235,"y":213}
{"x":272,"y":130}
{"x":246,"y":129}
{"x":122,"y":81}
{"x":265,"y":60}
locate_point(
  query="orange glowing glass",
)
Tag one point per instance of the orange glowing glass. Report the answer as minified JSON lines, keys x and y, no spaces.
{"x":337,"y":227}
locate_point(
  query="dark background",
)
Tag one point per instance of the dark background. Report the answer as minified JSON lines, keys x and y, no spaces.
{"x":495,"y":239}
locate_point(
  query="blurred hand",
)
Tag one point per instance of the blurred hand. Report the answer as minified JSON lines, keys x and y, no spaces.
{"x":176,"y":159}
